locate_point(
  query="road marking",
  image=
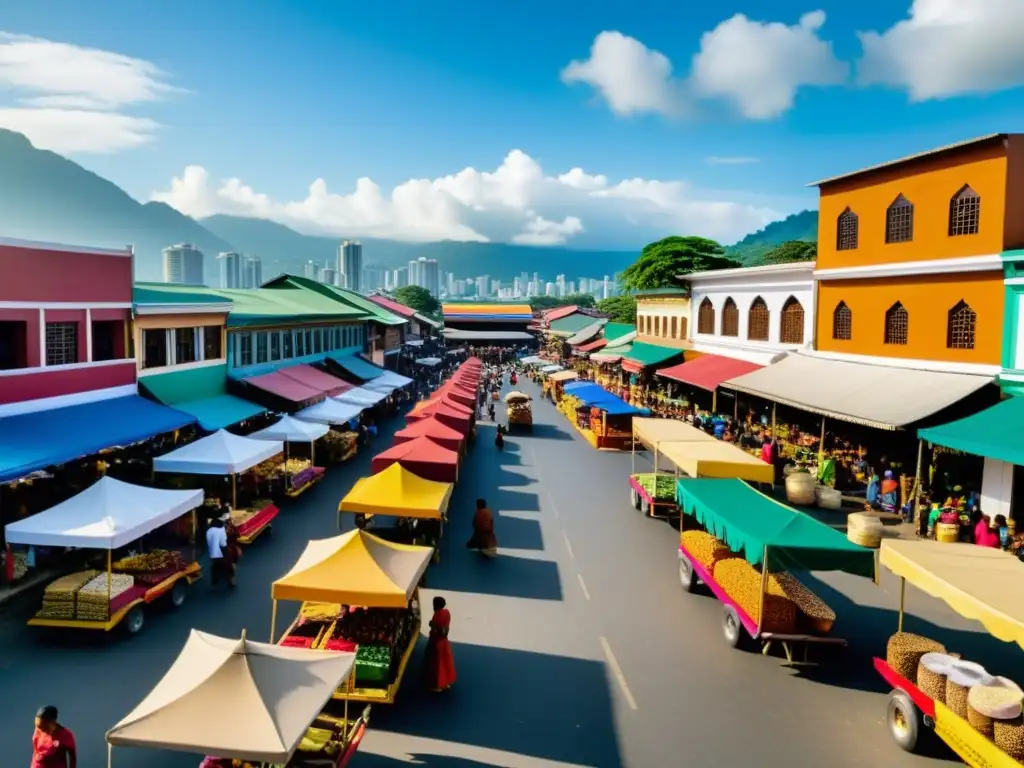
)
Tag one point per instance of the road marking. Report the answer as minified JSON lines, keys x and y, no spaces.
{"x":617,"y":671}
{"x":583,"y":586}
{"x":568,"y":546}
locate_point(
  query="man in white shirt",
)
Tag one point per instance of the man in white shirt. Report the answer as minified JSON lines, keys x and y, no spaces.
{"x":216,"y":543}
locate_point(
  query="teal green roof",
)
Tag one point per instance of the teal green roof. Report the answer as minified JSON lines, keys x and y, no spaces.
{"x":613,"y":331}
{"x":201,"y":392}
{"x":994,"y":433}
{"x":156,"y":294}
{"x":571,"y":324}
{"x":376,"y":312}
{"x":669,"y":290}
{"x":651,"y":354}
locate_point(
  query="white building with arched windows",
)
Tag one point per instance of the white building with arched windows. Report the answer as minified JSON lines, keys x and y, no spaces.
{"x":757,"y":314}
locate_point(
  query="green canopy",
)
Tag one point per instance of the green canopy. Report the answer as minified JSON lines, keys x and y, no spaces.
{"x":570,"y":324}
{"x":202,"y":393}
{"x":646,"y":354}
{"x":994,"y":433}
{"x":615,"y":331}
{"x":748,"y":522}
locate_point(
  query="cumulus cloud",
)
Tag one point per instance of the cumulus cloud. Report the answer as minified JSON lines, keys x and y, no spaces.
{"x":73,"y":99}
{"x":516,"y":202}
{"x":948,"y":48}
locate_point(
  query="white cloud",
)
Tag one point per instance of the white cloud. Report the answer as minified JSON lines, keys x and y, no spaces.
{"x":738,"y":160}
{"x":631,"y":77}
{"x":516,"y":202}
{"x":760,"y":66}
{"x":948,"y":48}
{"x":72,"y":99}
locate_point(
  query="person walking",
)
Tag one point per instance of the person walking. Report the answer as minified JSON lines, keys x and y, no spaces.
{"x":440,"y":662}
{"x":483,"y":539}
{"x":53,"y":745}
{"x":216,"y":544}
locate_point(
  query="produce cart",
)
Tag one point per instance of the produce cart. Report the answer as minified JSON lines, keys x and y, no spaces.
{"x":744,"y":556}
{"x":110,"y":515}
{"x":654,"y":494}
{"x":300,"y":474}
{"x":359,"y":594}
{"x":978,"y":583}
{"x":250,"y":704}
{"x":519,"y":413}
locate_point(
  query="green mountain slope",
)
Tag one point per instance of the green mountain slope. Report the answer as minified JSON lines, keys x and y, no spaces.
{"x":799,"y":226}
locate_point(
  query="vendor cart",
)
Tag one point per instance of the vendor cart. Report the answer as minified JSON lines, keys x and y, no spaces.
{"x":654,"y":494}
{"x":978,"y":583}
{"x":519,"y":412}
{"x":770,"y":535}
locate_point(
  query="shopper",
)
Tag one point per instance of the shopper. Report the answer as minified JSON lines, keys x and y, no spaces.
{"x":483,"y":539}
{"x":216,"y":544}
{"x":53,"y":745}
{"x":233,"y":551}
{"x":440,"y":663}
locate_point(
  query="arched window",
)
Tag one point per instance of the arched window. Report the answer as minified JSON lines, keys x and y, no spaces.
{"x":842,"y":322}
{"x":960,"y":325}
{"x":897,"y":324}
{"x":758,"y":320}
{"x":964,"y":212}
{"x":706,"y":317}
{"x":899,"y":221}
{"x":846,"y":231}
{"x":730,"y":318}
{"x":675,"y":327}
{"x":791,"y":330}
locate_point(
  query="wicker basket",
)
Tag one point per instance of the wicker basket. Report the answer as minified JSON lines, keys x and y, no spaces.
{"x":869,"y":539}
{"x":1009,"y":737}
{"x":931,"y":674}
{"x":864,"y":523}
{"x":962,"y":676}
{"x":829,"y":498}
{"x":947,"y":533}
{"x":800,"y":489}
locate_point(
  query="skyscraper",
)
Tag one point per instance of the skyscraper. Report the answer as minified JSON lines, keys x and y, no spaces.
{"x":399,"y":278}
{"x":310,"y":270}
{"x":431,"y":276}
{"x":413,"y":274}
{"x":183,"y":263}
{"x":329,"y":276}
{"x":606,"y":288}
{"x":350,"y":265}
{"x":253,"y":272}
{"x":230,"y":264}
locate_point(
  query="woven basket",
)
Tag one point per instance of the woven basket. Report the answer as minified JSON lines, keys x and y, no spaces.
{"x":947,"y":533}
{"x":930,"y":679}
{"x":800,"y":489}
{"x":981,"y":723}
{"x":904,"y":650}
{"x":1009,"y":737}
{"x":962,"y":676}
{"x":869,"y":539}
{"x":864,"y":523}
{"x":829,"y":498}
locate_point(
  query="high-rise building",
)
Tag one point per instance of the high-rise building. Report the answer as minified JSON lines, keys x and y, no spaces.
{"x":350,"y":265}
{"x":449,"y":283}
{"x":606,"y":288}
{"x":560,"y":285}
{"x":252,"y":272}
{"x":329,"y":276}
{"x":230,"y":267}
{"x":400,"y":278}
{"x":431,"y":276}
{"x":310,"y":270}
{"x":482,"y":284}
{"x":550,"y":289}
{"x":373,"y":279}
{"x":413,"y":273}
{"x":183,"y":263}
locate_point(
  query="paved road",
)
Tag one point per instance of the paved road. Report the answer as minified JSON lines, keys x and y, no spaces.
{"x":575,"y":648}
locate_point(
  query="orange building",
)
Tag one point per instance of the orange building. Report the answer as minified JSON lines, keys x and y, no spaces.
{"x":909,"y":255}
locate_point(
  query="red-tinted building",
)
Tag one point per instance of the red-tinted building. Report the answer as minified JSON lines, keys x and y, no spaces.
{"x":65,"y":314}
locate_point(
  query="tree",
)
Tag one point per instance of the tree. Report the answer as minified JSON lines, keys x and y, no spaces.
{"x":660,"y":263}
{"x":415,"y":297}
{"x":541,"y":303}
{"x":790,"y":252}
{"x":620,"y":309}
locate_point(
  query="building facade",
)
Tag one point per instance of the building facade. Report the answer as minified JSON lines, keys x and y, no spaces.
{"x":230,"y":268}
{"x":183,"y":263}
{"x":350,"y":265}
{"x":663,"y":316}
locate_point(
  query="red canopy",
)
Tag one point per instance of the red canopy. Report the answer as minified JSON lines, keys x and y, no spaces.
{"x":458,"y":394}
{"x":314,"y":378}
{"x":285,"y":387}
{"x":444,"y":413}
{"x":421,"y":456}
{"x":436,"y":430}
{"x":708,"y":371}
{"x":592,"y":346}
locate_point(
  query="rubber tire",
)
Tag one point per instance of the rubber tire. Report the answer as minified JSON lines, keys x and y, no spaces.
{"x":135,"y":620}
{"x":634,"y":498}
{"x":178,"y":593}
{"x":732,"y":629}
{"x":907,"y":736}
{"x":687,"y":578}
{"x":645,"y":507}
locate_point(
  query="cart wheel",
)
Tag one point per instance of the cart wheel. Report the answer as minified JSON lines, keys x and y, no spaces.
{"x":686,"y":577}
{"x":634,"y":498}
{"x":135,"y":620}
{"x":178,"y":592}
{"x":645,"y":507}
{"x":732,"y":629}
{"x":904,"y":720}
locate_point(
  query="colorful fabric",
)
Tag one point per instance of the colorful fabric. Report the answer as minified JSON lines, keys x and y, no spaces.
{"x":440,"y":662}
{"x":51,"y":751}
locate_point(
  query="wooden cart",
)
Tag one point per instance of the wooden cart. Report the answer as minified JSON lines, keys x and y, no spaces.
{"x":642,"y":499}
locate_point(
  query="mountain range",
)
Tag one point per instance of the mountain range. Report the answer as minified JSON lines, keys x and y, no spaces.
{"x":46,"y":197}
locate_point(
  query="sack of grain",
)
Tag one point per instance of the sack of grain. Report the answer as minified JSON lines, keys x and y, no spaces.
{"x":816,"y":612}
{"x":800,"y":488}
{"x":931,"y":674}
{"x":1008,"y":735}
{"x":869,"y":539}
{"x":705,"y":548}
{"x":961,"y":677}
{"x":864,"y":523}
{"x":829,"y":498}
{"x":742,"y":582}
{"x":904,"y":650}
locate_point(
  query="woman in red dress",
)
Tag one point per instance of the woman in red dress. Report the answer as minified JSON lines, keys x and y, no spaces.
{"x":440,"y":662}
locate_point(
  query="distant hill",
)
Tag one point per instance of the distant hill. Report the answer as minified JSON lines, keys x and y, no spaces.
{"x":799,"y":226}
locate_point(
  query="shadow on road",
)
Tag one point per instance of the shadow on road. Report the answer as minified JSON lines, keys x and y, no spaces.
{"x":549,"y":432}
{"x":517,"y":533}
{"x":504,"y":576}
{"x":365,"y":760}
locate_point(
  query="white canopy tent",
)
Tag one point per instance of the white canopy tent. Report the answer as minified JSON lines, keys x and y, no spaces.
{"x":387,"y":382}
{"x":106,"y":515}
{"x":529,"y":360}
{"x":551,"y":369}
{"x":361,"y":396}
{"x":292,"y":430}
{"x":330,"y":411}
{"x":430,"y":362}
{"x":221,"y":453}
{"x":235,"y":699}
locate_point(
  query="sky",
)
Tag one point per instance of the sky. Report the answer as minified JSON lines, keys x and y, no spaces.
{"x":584,"y":123}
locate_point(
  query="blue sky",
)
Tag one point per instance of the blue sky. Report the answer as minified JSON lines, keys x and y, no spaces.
{"x":276,"y":95}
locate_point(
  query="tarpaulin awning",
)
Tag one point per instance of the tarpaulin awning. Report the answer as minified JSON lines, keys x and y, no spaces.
{"x":394,"y":379}
{"x":458,"y":394}
{"x":570,"y":325}
{"x":708,"y":371}
{"x":564,"y":376}
{"x":316,"y":379}
{"x":201,"y":392}
{"x":235,"y":699}
{"x":979,"y":583}
{"x":356,"y":568}
{"x":292,"y":430}
{"x":587,"y":333}
{"x":748,"y":522}
{"x":595,"y":396}
{"x":330,"y":411}
{"x":611,"y":354}
{"x":717,"y":459}
{"x":619,"y":333}
{"x":642,"y":355}
{"x":446,"y":414}
{"x":553,"y":368}
{"x":421,"y":456}
{"x":593,"y":346}
{"x":878,"y":396}
{"x":486,"y":312}
{"x":529,"y":359}
{"x":106,"y":515}
{"x":398,"y":492}
{"x":362,"y":397}
{"x":33,"y":441}
{"x":433,"y":428}
{"x":458,"y":334}
{"x":221,"y":453}
{"x":285,"y":387}
{"x":652,"y":432}
{"x":558,"y":312}
{"x":995,"y":433}
{"x":358,"y":367}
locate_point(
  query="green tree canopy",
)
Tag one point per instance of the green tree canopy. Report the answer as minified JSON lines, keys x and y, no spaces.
{"x":790,"y":252}
{"x":620,"y":309}
{"x":417,"y":298}
{"x":660,"y":263}
{"x":540,"y":303}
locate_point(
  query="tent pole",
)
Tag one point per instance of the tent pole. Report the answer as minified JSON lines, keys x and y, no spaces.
{"x":735,"y":406}
{"x":348,"y":692}
{"x":714,"y":401}
{"x":110,"y":576}
{"x":195,"y":525}
{"x":312,"y":452}
{"x":917,"y":480}
{"x":773,"y":419}
{"x":821,"y":445}
{"x":234,"y":490}
{"x":110,"y":756}
{"x":273,"y":620}
{"x":764,"y":588}
{"x":903,"y":597}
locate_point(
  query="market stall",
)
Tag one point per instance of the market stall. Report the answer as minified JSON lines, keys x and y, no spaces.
{"x":228,"y":455}
{"x":604,"y":419}
{"x":519,"y":411}
{"x":976,"y":713}
{"x":446,"y":413}
{"x":745,"y":554}
{"x":250,"y":704}
{"x":363,"y":397}
{"x":301,"y":475}
{"x":341,"y":442}
{"x":436,"y":430}
{"x":715,"y":459}
{"x":423,"y":457}
{"x":654,"y":493}
{"x":359,"y":594}
{"x":107,"y":516}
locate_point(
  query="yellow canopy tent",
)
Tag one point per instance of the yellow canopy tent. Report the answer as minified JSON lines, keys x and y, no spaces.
{"x":397,"y":491}
{"x":716,"y":459}
{"x":652,"y":432}
{"x":564,"y":376}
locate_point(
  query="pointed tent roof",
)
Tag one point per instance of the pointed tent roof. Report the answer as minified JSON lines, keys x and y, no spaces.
{"x":398,"y":492}
{"x":362,"y":396}
{"x":264,"y":697}
{"x":293,"y":430}
{"x":446,"y":414}
{"x":423,"y":457}
{"x":106,"y":515}
{"x":436,"y":430}
{"x":356,"y":568}
{"x":221,"y":453}
{"x":330,"y":411}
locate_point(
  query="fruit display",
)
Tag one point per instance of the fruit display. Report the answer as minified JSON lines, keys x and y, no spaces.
{"x":658,"y":486}
{"x":151,"y":568}
{"x":341,"y":446}
{"x":373,"y":664}
{"x":303,"y":477}
{"x":519,"y":412}
{"x":323,"y":742}
{"x":320,"y":611}
{"x":742,"y":582}
{"x":241,"y":515}
{"x":812,"y":608}
{"x":904,"y":650}
{"x":93,"y":600}
{"x":60,"y":595}
{"x":705,"y":548}
{"x":294,"y":466}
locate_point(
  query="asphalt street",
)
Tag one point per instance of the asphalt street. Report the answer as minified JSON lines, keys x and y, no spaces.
{"x":575,"y":647}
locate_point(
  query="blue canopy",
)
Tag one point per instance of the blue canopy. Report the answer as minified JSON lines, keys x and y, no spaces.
{"x":34,"y":441}
{"x":595,"y":396}
{"x":222,"y":411}
{"x":359,"y":367}
{"x":574,"y":385}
